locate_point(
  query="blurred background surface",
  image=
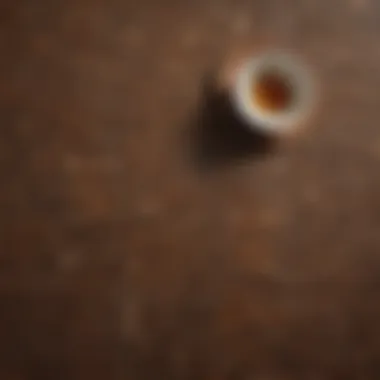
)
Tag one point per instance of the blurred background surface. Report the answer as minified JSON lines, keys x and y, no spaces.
{"x":138,"y":241}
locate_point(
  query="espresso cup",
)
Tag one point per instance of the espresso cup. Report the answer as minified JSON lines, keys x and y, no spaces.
{"x":273,"y":93}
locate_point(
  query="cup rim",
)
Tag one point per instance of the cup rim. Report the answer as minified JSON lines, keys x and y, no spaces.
{"x":287,"y":65}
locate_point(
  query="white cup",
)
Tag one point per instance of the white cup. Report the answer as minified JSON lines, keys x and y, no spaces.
{"x":290,"y":72}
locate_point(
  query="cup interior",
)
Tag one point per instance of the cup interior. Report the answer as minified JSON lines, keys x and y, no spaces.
{"x":272,"y":91}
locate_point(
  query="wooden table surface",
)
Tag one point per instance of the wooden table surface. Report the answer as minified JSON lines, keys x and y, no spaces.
{"x":138,"y":240}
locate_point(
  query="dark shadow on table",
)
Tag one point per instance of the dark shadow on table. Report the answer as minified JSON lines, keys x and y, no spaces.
{"x":218,"y":138}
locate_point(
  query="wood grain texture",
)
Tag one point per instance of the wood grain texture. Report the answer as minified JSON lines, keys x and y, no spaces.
{"x":139,"y":240}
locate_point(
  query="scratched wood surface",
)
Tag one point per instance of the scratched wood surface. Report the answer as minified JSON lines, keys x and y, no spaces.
{"x":141,"y":240}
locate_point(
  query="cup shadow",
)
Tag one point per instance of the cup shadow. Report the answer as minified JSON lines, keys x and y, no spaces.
{"x":218,"y":137}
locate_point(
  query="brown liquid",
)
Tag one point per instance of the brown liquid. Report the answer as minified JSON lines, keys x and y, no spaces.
{"x":272,"y":93}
